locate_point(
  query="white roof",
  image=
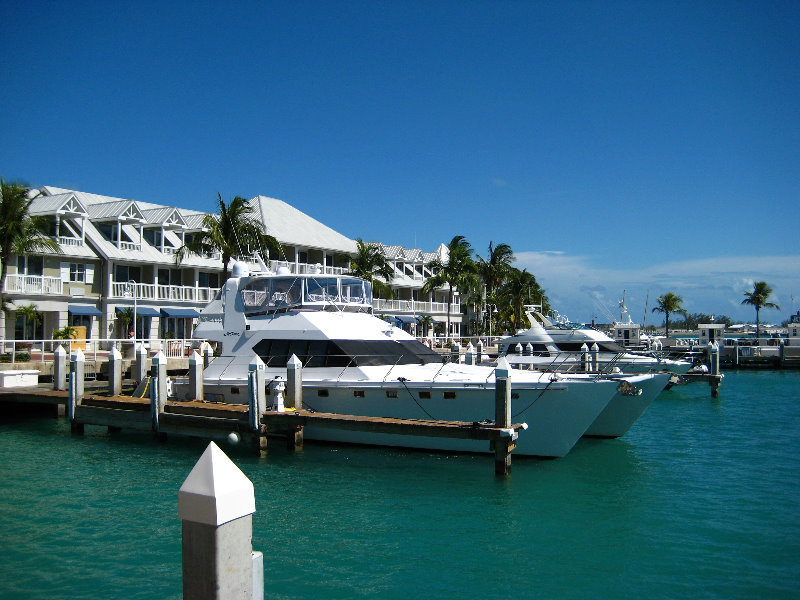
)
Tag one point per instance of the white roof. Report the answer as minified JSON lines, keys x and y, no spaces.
{"x":291,"y":226}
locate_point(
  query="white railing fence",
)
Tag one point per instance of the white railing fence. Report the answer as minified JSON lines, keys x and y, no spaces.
{"x":13,"y":351}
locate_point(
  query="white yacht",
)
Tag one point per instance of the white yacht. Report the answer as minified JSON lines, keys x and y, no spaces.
{"x":356,"y":363}
{"x":560,"y":346}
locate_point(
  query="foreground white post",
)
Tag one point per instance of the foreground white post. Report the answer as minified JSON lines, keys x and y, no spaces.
{"x":216,"y":505}
{"x":595,"y":357}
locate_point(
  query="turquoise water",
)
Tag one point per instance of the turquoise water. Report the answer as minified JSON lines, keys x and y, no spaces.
{"x":700,"y":499}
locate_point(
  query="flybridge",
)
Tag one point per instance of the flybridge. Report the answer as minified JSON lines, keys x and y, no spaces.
{"x":267,"y":294}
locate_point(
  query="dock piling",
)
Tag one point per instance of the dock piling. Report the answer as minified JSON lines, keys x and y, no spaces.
{"x":216,"y":504}
{"x":294,"y":399}
{"x":195,"y":376}
{"x":114,"y":372}
{"x":158,"y":388}
{"x":60,"y":368}
{"x":502,"y":418}
{"x":469,"y":355}
{"x":595,"y":357}
{"x":139,"y":364}
{"x":479,"y":352}
{"x":77,"y":363}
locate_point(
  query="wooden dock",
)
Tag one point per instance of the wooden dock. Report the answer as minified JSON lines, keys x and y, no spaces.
{"x":204,"y":419}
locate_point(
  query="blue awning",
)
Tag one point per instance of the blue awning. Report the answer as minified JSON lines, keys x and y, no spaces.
{"x":83,"y":309}
{"x":406,"y":319}
{"x":180,"y":313}
{"x":142,"y":311}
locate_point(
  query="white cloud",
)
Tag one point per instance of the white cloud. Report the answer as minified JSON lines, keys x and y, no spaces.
{"x":709,"y":285}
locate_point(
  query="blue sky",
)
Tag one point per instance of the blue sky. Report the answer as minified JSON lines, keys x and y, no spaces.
{"x":639,"y":146}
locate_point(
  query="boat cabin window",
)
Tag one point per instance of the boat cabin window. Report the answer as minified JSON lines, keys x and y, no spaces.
{"x":273,"y":293}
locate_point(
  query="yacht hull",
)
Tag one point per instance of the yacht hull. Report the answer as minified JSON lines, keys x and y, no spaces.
{"x":624,"y":410}
{"x":558,"y":412}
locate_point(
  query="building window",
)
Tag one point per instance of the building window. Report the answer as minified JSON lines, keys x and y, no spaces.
{"x":208,"y":280}
{"x":124,"y":273}
{"x":77,"y":272}
{"x":30,"y":265}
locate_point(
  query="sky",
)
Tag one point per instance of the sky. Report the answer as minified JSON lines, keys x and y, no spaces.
{"x":635,"y":147}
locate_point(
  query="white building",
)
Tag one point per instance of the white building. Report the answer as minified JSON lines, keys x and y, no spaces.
{"x":117,"y":253}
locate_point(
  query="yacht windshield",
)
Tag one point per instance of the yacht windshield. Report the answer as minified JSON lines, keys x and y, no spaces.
{"x":262,"y":295}
{"x":345,"y":353}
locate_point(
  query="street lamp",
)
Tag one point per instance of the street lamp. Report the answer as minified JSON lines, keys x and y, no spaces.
{"x":490,"y":309}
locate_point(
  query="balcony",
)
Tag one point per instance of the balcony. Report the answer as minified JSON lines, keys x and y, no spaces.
{"x":34,"y":285}
{"x":414,"y":307}
{"x":169,"y":293}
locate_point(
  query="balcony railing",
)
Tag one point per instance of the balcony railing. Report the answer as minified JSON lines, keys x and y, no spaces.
{"x":33,"y":284}
{"x":69,"y":241}
{"x":301,"y":268}
{"x":172,"y":293}
{"x":415,"y":306}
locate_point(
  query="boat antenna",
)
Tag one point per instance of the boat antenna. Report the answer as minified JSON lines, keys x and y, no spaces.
{"x":646,"y":303}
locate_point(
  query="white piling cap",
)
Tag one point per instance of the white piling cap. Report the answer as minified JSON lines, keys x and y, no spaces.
{"x":216,"y":491}
{"x":294,"y":362}
{"x":256,"y":364}
{"x":59,"y":351}
{"x":77,"y":354}
{"x":115,"y":355}
{"x":503,"y":368}
{"x":195,"y":358}
{"x":160,"y":358}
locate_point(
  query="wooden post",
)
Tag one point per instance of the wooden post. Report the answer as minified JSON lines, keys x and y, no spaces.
{"x":502,"y":417}
{"x":75,"y":397}
{"x":195,"y":376}
{"x":158,"y":388}
{"x":294,"y":399}
{"x":114,"y":372}
{"x":139,"y":364}
{"x":60,"y":368}
{"x":216,"y":505}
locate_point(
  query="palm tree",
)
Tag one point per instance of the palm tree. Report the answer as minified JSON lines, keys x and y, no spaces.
{"x":669,"y":303}
{"x":494,"y":269}
{"x":369,"y":264}
{"x":20,"y":234}
{"x":520,"y":288}
{"x":235,"y":230}
{"x":458,"y":272}
{"x":31,"y":317}
{"x":426,"y":321}
{"x":759,"y":298}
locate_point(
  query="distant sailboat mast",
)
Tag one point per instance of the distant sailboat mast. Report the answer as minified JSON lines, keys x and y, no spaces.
{"x":646,"y":302}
